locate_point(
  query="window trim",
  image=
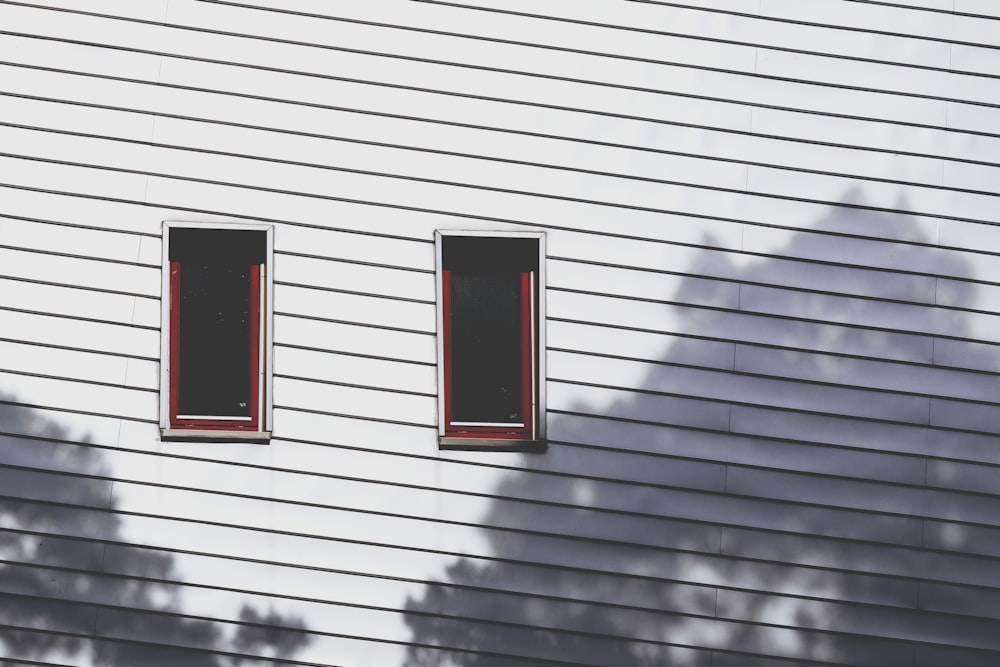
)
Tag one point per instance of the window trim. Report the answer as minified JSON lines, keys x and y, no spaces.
{"x":534,"y":439}
{"x":169,"y":345}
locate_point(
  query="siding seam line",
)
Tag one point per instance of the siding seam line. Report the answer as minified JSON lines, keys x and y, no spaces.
{"x":841,"y":569}
{"x":499,"y":528}
{"x":496,"y":99}
{"x":747,"y":164}
{"x":659,"y":33}
{"x":501,"y":70}
{"x":450,"y":123}
{"x":502,"y":191}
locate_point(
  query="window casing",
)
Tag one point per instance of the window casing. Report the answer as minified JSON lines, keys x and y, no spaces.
{"x":491,"y":326}
{"x":215,"y":371}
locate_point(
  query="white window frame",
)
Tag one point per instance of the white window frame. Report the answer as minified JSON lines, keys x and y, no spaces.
{"x":538,"y":442}
{"x":265,"y":422}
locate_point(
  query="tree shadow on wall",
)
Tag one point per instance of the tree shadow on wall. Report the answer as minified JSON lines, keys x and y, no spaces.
{"x":776,"y":522}
{"x":63,"y":596}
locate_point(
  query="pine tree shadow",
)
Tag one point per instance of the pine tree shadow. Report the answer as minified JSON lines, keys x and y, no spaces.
{"x":63,"y":596}
{"x":776,"y":536}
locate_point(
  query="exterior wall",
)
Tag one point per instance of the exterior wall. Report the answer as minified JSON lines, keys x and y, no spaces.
{"x":771,"y":321}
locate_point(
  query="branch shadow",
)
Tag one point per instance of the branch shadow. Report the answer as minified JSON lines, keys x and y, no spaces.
{"x":60,"y":596}
{"x":777,"y":520}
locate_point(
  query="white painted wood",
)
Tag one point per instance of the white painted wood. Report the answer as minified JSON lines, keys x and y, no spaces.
{"x":981,"y":7}
{"x":30,"y":265}
{"x":31,"y":51}
{"x":152,"y":11}
{"x":771,"y":314}
{"x":26,"y":358}
{"x":87,"y":335}
{"x":348,"y":338}
{"x":79,"y":396}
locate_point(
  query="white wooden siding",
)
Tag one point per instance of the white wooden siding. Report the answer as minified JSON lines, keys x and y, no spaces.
{"x":772,"y":322}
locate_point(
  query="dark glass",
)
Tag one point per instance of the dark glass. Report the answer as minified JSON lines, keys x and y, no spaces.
{"x":212,"y":246}
{"x":214,"y":340}
{"x":488,"y":254}
{"x":486,"y":347}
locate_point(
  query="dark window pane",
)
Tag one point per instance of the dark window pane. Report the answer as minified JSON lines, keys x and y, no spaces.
{"x":486,"y":347}
{"x":214,"y":340}
{"x":209,"y":246}
{"x":488,"y":254}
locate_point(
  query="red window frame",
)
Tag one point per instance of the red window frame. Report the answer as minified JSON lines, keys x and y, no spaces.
{"x":257,"y":328}
{"x":529,"y":382}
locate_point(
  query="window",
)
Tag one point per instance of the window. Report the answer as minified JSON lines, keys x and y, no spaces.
{"x":215,"y":371}
{"x":491,"y":340}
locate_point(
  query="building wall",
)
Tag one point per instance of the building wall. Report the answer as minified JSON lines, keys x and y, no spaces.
{"x":771,"y":319}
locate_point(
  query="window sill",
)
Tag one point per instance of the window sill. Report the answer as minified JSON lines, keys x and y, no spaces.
{"x":195,"y":435}
{"x":492,"y":444}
